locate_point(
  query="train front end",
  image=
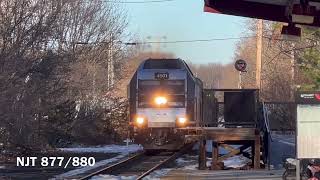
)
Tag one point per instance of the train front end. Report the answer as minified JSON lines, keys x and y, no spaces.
{"x":158,"y":104}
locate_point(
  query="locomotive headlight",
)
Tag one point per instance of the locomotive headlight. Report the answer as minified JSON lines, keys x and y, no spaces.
{"x":160,"y":100}
{"x":182,"y":120}
{"x":140,"y":120}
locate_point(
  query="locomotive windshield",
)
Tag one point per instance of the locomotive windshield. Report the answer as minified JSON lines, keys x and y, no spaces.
{"x":162,"y":64}
{"x":173,"y":90}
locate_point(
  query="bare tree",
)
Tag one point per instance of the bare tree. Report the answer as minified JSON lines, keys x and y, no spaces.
{"x":54,"y":57}
{"x":216,"y":75}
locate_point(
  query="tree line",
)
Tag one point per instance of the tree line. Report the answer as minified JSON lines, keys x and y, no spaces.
{"x":288,"y":66}
{"x":55,"y":70}
{"x":54,"y":57}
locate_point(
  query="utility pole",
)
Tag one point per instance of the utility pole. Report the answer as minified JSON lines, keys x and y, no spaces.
{"x":111,"y":73}
{"x":240,"y":80}
{"x":293,"y":85}
{"x":259,"y":53}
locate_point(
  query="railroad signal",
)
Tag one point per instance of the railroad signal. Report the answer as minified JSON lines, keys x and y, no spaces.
{"x":241,"y":65}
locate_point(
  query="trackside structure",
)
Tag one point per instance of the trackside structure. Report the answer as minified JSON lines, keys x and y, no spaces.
{"x":238,"y":119}
{"x":308,"y":125}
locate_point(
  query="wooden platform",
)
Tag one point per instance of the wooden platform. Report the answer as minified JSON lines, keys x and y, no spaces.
{"x":223,"y":134}
{"x":225,"y":137}
{"x":224,"y":175}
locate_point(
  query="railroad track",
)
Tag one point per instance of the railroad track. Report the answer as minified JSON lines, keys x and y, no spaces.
{"x":140,"y":165}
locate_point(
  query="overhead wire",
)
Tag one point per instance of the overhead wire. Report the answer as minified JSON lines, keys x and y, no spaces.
{"x":168,"y":42}
{"x":194,"y":40}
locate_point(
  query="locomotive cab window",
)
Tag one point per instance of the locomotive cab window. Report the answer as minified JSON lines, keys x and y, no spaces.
{"x":162,"y":64}
{"x":171,"y":92}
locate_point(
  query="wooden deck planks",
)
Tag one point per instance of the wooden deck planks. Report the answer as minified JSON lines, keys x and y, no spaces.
{"x":224,"y":175}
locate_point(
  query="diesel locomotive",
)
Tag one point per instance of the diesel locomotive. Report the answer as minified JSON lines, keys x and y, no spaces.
{"x":164,"y":96}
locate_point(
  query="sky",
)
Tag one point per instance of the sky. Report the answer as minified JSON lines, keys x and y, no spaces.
{"x":185,"y":20}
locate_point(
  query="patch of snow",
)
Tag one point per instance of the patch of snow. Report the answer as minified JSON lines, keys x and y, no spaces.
{"x":87,"y":168}
{"x":2,"y":167}
{"x":106,"y":149}
{"x":190,"y":167}
{"x":78,"y":106}
{"x":233,"y":162}
{"x":188,"y":162}
{"x":236,"y":161}
{"x":123,"y":150}
{"x":291,"y":161}
{"x":195,"y":166}
{"x":111,"y":177}
{"x":27,"y":79}
{"x":221,"y":121}
{"x":182,"y":161}
{"x":157,"y":174}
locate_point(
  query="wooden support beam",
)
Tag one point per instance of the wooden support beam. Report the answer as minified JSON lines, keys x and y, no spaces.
{"x":202,"y":155}
{"x":256,"y":162}
{"x":226,"y":137}
{"x":215,"y":155}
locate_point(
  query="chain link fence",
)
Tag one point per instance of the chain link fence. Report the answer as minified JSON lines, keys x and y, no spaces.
{"x":282,"y":115}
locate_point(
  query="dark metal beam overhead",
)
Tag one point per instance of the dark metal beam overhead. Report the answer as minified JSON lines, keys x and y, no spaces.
{"x":274,"y":10}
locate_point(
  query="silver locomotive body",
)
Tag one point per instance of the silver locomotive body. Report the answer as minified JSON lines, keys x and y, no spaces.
{"x":164,"y":95}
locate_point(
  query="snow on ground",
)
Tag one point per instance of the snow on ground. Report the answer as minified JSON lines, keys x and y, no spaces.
{"x":2,"y":167}
{"x":291,"y":161}
{"x":282,"y":145}
{"x":106,"y":149}
{"x":236,"y":162}
{"x":122,"y":150}
{"x":111,"y":177}
{"x":188,"y":162}
{"x":157,"y":174}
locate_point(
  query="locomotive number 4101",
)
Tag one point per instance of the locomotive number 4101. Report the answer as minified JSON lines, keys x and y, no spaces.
{"x":161,"y":75}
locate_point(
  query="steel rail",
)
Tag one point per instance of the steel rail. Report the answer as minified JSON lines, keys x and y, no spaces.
{"x":136,"y":157}
{"x":171,"y":158}
{"x":114,"y":166}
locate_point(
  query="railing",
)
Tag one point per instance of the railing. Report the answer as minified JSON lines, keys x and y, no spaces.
{"x":266,"y":120}
{"x":281,"y":115}
{"x":220,"y":121}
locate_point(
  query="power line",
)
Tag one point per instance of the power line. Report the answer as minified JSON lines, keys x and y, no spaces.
{"x":139,"y":2}
{"x":194,"y":40}
{"x":168,"y":42}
